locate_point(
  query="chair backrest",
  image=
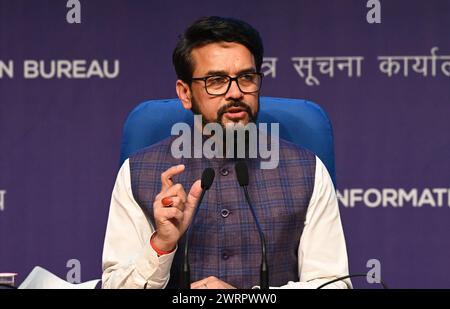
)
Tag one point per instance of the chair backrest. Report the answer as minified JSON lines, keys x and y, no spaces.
{"x":302,"y":122}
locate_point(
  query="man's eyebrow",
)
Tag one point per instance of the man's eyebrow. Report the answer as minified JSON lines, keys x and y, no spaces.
{"x":248,"y":70}
{"x":212,"y":72}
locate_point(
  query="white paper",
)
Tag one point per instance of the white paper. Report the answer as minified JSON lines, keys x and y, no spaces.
{"x":41,"y":278}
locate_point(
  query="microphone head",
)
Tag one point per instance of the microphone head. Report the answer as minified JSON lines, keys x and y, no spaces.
{"x":241,"y":173}
{"x":207,"y":178}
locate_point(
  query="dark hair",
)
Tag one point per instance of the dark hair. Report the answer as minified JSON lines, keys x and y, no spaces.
{"x":214,"y":29}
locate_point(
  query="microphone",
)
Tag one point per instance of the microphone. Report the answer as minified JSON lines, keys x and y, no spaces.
{"x":206,"y":182}
{"x":243,"y":179}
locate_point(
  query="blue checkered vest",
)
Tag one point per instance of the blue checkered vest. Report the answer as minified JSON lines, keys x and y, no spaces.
{"x":225,"y":241}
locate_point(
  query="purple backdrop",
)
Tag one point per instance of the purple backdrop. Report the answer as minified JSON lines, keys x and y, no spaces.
{"x":60,"y":137}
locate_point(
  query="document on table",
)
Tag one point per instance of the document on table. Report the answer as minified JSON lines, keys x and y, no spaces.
{"x":40,"y":278}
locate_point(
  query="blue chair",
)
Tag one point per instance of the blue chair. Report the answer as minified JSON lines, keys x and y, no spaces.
{"x":301,"y":122}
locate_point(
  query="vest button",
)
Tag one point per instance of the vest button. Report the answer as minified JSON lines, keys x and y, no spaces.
{"x":225,"y":256}
{"x":224,"y":171}
{"x":225,"y":213}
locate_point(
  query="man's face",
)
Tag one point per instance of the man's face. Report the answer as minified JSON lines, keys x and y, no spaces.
{"x":223,"y":58}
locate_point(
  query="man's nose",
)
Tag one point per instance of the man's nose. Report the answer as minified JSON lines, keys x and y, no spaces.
{"x":234,"y":92}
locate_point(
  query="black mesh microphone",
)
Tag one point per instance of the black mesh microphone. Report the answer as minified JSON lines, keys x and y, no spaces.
{"x":206,"y":182}
{"x":242,"y":177}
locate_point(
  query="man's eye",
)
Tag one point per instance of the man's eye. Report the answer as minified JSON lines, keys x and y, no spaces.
{"x":217,"y":80}
{"x":247,"y":77}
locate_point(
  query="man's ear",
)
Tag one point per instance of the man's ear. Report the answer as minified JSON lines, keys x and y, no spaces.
{"x":184,"y":94}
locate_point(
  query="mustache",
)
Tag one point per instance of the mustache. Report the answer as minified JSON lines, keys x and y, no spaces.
{"x":223,"y":109}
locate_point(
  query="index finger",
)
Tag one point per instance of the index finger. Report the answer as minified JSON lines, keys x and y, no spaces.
{"x":166,"y":176}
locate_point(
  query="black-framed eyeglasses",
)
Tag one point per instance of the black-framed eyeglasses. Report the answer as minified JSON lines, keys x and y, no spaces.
{"x":220,"y":84}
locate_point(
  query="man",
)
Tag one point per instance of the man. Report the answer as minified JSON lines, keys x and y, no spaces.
{"x":218,"y":62}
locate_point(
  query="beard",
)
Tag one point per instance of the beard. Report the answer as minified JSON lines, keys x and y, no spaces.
{"x":252,"y":118}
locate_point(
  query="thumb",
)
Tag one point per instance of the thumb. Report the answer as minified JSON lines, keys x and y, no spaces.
{"x":194,"y":194}
{"x":193,"y":197}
